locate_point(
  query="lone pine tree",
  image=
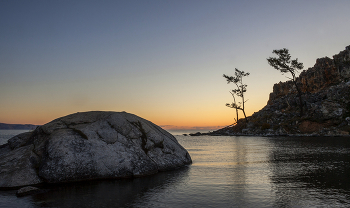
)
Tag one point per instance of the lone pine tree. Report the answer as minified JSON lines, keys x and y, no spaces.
{"x":284,"y":64}
{"x":241,"y":88}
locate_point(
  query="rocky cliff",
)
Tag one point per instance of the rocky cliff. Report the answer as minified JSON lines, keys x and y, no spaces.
{"x":326,"y":97}
{"x":325,"y":73}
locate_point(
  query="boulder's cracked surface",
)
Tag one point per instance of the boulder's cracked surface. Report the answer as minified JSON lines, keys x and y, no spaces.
{"x":89,"y":145}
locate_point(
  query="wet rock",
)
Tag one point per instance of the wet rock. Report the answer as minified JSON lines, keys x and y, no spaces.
{"x":28,"y":190}
{"x":196,"y":134}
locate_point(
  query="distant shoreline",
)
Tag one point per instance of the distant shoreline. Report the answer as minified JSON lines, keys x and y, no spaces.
{"x":266,"y":135}
{"x":4,"y":126}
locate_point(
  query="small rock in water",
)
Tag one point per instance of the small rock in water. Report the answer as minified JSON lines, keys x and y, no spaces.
{"x":195,"y":134}
{"x":28,"y":190}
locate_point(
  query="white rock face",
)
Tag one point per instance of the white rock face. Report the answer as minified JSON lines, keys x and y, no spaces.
{"x":91,"y":145}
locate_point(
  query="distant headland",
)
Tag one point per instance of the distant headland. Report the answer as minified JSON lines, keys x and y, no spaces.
{"x":326,"y":102}
{"x":4,"y":126}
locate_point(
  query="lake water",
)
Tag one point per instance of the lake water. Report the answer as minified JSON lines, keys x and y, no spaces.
{"x":226,"y":172}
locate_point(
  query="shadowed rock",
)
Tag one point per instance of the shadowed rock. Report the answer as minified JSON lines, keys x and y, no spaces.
{"x":89,"y":145}
{"x":28,"y":190}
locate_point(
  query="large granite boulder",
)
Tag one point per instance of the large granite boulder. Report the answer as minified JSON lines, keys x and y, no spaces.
{"x":89,"y":145}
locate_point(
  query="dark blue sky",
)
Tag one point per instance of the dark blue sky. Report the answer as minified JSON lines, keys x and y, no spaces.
{"x":162,"y":60}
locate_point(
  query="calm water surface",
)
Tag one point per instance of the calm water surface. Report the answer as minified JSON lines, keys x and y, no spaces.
{"x":226,"y":172}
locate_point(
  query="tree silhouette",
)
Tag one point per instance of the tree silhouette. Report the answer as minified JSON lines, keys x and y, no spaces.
{"x":239,"y":91}
{"x":285,"y":65}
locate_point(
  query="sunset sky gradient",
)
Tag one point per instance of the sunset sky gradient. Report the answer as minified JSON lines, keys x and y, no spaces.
{"x":161,"y":60}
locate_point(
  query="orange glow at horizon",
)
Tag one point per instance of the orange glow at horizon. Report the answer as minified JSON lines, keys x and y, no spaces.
{"x":208,"y":119}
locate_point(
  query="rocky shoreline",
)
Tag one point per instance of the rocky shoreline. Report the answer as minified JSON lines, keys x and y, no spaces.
{"x":326,"y":97}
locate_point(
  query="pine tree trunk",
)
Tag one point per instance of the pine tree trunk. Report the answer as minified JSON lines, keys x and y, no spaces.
{"x":300,"y":99}
{"x":246,"y":120}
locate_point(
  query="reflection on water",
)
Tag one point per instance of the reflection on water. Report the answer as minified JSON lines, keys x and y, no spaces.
{"x":134,"y":192}
{"x":226,"y":172}
{"x":230,"y":171}
{"x":109,"y":193}
{"x":239,"y":171}
{"x":305,"y":170}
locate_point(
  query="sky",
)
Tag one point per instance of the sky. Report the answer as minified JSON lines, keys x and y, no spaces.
{"x":162,"y":60}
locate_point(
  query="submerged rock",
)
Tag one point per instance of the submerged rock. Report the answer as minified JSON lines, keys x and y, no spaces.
{"x":89,"y":145}
{"x":28,"y":190}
